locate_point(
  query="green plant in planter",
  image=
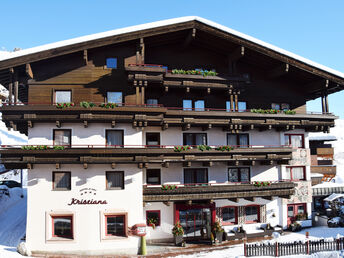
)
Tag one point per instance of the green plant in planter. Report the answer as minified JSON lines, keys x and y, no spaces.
{"x":108,"y":105}
{"x":217,"y":227}
{"x":181,"y":148}
{"x":58,"y":147}
{"x":37,"y":147}
{"x":301,"y":216}
{"x":224,"y":148}
{"x":177,"y":229}
{"x":295,"y":226}
{"x":64,"y":105}
{"x":168,"y":187}
{"x":152,"y":222}
{"x":261,"y":183}
{"x":273,"y":111}
{"x":86,"y":104}
{"x":195,"y":72}
{"x":203,"y":147}
{"x":289,"y":112}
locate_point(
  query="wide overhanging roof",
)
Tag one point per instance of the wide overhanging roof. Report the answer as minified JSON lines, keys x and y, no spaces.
{"x":21,"y":57}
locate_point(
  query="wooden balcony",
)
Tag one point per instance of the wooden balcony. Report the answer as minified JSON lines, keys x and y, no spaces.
{"x":20,"y":117}
{"x":220,"y":191}
{"x":14,"y":157}
{"x":325,"y":151}
{"x":326,"y":170}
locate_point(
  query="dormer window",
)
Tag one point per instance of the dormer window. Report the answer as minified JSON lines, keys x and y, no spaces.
{"x":111,"y":62}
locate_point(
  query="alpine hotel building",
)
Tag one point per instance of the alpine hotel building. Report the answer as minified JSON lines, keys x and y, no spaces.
{"x":178,"y":120}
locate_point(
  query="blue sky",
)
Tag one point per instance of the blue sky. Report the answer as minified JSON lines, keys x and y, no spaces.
{"x":313,"y":29}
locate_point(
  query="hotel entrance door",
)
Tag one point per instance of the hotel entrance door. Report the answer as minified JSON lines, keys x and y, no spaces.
{"x":196,"y":219}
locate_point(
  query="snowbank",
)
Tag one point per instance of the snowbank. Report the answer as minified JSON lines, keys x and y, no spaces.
{"x":16,"y":195}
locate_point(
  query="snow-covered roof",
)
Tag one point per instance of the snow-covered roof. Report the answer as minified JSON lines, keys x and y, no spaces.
{"x":333,"y":197}
{"x":166,"y":23}
{"x":322,"y":137}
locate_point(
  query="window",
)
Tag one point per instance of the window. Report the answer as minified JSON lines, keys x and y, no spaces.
{"x":114,"y":97}
{"x":115,"y":225}
{"x":241,"y":106}
{"x":197,"y":105}
{"x":229,"y":215}
{"x":228,"y":106}
{"x":61,"y":181}
{"x":285,"y":106}
{"x":153,"y":177}
{"x":63,"y":96}
{"x":114,"y":138}
{"x":195,"y":176}
{"x":153,"y":140}
{"x":239,"y":175}
{"x":62,"y":226}
{"x":152,"y":102}
{"x":296,"y":173}
{"x":153,"y":217}
{"x":295,"y":140}
{"x":114,"y":180}
{"x":296,"y":209}
{"x":252,"y":214}
{"x":194,"y":138}
{"x":62,"y":137}
{"x":240,"y":140}
{"x":111,"y":62}
{"x":275,"y":106}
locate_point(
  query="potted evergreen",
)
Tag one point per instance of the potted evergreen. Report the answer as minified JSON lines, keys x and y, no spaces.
{"x":178,"y":233}
{"x":218,"y":230}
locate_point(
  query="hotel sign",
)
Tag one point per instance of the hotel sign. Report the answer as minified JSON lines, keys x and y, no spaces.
{"x":86,"y":199}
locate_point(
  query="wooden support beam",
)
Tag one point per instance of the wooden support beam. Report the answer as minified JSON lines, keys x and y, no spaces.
{"x":164,"y":126}
{"x":207,"y":127}
{"x":85,"y":57}
{"x":187,"y":89}
{"x":144,"y":204}
{"x":113,"y":124}
{"x":278,"y":71}
{"x":268,"y":198}
{"x":207,"y":163}
{"x":189,"y":38}
{"x":29,"y":124}
{"x":58,"y":124}
{"x":28,"y":71}
{"x":166,"y":88}
{"x":166,"y":164}
{"x":167,"y":203}
{"x":57,"y":165}
{"x":186,"y":127}
{"x":187,"y":164}
{"x":208,"y":90}
{"x":189,"y":202}
{"x":251,"y":199}
{"x":29,"y":166}
{"x":85,"y":166}
{"x":140,"y":165}
{"x":113,"y":165}
{"x":13,"y":125}
{"x":85,"y":124}
{"x":137,"y":94}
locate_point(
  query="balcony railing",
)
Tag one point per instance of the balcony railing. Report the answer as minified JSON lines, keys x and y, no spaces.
{"x":21,"y":155}
{"x":215,"y":191}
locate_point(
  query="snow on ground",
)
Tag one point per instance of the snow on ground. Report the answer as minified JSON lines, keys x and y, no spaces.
{"x":314,"y":233}
{"x":12,"y":221}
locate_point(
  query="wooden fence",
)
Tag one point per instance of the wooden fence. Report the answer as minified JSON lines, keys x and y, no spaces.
{"x":294,"y":248}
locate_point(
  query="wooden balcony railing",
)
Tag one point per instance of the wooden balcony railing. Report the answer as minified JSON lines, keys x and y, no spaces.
{"x":219,"y":191}
{"x":14,"y":156}
{"x":20,"y":117}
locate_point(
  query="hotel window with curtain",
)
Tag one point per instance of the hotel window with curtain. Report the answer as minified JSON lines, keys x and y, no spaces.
{"x":63,"y":96}
{"x":229,"y":215}
{"x":295,"y":140}
{"x":239,"y":175}
{"x":61,"y":181}
{"x":62,"y":137}
{"x":114,"y":180}
{"x":195,"y":175}
{"x":114,"y":138}
{"x":239,"y":140}
{"x":194,"y":139}
{"x":295,"y":173}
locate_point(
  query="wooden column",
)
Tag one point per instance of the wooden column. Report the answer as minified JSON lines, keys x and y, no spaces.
{"x":137,"y":95}
{"x":10,"y":87}
{"x":16,"y":86}
{"x":236,"y":102}
{"x":232,"y":103}
{"x":142,"y":95}
{"x":142,"y":48}
{"x":323,"y":104}
{"x":326,"y":104}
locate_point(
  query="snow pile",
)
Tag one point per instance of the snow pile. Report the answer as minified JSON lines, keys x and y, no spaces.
{"x":12,"y":221}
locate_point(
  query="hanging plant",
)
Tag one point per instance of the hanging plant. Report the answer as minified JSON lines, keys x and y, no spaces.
{"x":181,"y":148}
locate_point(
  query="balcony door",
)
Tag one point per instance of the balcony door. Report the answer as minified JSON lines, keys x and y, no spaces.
{"x":195,"y":176}
{"x":294,"y":210}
